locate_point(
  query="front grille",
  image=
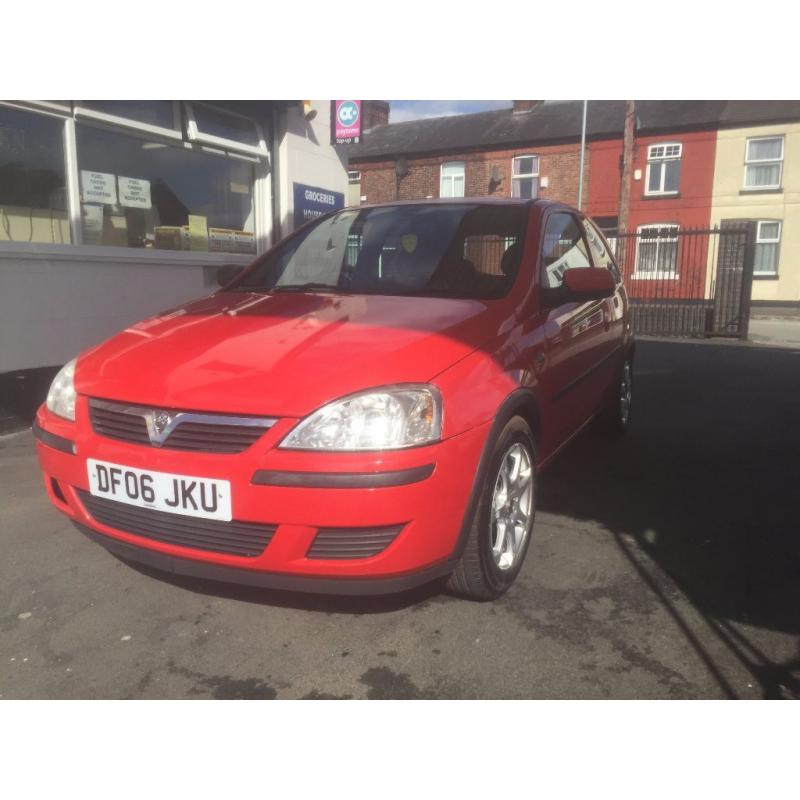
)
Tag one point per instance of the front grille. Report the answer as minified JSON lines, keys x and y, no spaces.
{"x":117,"y":425}
{"x":207,"y":433}
{"x":234,"y":538}
{"x":352,"y":542}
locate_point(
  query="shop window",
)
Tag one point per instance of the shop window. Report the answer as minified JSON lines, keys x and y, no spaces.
{"x":451,"y":181}
{"x":657,"y":251}
{"x":210,"y":125}
{"x":663,"y":168}
{"x":768,"y":241}
{"x":159,"y":113}
{"x":33,"y":195}
{"x":763,"y":163}
{"x":525,"y":177}
{"x":141,"y":193}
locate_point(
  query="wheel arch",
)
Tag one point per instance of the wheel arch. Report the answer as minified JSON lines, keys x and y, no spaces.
{"x":521,"y":402}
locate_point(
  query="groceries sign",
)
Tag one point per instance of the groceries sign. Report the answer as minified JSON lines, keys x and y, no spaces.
{"x":347,"y":121}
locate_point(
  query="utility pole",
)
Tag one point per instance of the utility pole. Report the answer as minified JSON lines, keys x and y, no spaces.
{"x":625,"y":180}
{"x":583,"y":153}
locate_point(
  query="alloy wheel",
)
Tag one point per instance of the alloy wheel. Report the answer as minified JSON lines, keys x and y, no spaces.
{"x":512,"y":506}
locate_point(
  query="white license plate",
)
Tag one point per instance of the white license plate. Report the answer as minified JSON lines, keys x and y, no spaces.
{"x":162,"y":491}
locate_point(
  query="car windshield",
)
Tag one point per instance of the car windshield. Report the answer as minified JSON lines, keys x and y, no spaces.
{"x":444,"y":250}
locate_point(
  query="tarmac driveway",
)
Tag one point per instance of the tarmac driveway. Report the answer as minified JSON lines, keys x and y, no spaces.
{"x":666,"y":565}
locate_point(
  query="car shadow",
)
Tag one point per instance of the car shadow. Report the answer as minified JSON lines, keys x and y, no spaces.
{"x":330,"y":604}
{"x":705,"y":486}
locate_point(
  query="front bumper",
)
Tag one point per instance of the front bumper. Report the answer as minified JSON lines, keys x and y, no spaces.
{"x":422,"y":491}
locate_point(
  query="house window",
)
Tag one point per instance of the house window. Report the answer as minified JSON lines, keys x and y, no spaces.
{"x":525,"y":176}
{"x":663,"y":168}
{"x":451,"y":182}
{"x":763,"y":163}
{"x":354,"y":187}
{"x":657,"y":251}
{"x":768,"y":240}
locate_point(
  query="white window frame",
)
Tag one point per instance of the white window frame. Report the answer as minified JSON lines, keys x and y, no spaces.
{"x":451,"y":178}
{"x":659,"y":276}
{"x":762,"y":240}
{"x":522,"y":175}
{"x":653,"y":157}
{"x":175,"y":132}
{"x":353,"y":176}
{"x":755,"y":161}
{"x":194,"y":134}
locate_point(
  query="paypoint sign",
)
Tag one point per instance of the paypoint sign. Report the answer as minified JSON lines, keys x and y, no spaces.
{"x":347,"y":121}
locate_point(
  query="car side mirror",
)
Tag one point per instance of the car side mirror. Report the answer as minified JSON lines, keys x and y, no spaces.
{"x":228,"y":273}
{"x":588,"y":283}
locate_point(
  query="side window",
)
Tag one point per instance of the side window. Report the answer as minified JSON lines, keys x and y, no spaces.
{"x":599,"y":249}
{"x":564,"y":248}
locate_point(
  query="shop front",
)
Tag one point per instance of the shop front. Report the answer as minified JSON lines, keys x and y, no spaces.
{"x":114,"y":210}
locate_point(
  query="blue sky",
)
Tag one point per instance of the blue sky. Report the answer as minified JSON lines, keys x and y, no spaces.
{"x":405,"y":110}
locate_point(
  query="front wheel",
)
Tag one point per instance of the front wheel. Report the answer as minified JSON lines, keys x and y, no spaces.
{"x":501,"y":528}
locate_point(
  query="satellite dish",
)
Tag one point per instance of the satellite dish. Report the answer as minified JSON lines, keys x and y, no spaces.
{"x":496,"y":175}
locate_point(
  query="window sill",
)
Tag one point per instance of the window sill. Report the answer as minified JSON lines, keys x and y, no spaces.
{"x":772,"y":190}
{"x":654,"y":276}
{"x":765,"y":276}
{"x":660,"y":195}
{"x":120,"y":255}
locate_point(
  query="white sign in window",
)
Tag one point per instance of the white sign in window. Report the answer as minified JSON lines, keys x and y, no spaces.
{"x":98,"y":187}
{"x":134,"y":193}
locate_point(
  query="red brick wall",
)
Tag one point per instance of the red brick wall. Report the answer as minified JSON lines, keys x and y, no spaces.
{"x":558,"y":163}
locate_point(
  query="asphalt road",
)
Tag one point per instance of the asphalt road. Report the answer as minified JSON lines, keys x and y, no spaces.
{"x":666,"y":565}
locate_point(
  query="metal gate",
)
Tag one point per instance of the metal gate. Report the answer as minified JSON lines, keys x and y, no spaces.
{"x":687,"y":281}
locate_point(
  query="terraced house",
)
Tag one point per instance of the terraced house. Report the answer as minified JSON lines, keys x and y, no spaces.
{"x":696,"y":164}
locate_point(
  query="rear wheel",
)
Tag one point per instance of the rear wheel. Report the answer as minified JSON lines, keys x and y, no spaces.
{"x":616,"y":417}
{"x":500,"y":532}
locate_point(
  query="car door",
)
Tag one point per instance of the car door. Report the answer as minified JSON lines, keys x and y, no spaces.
{"x":574,"y":331}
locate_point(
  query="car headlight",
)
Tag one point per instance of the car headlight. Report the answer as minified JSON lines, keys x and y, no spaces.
{"x":389,"y":418}
{"x":61,"y":397}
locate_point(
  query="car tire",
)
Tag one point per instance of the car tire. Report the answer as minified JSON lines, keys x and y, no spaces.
{"x":615,"y":418}
{"x":492,"y":558}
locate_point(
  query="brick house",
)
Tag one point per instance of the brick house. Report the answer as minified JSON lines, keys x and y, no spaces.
{"x":533,"y":150}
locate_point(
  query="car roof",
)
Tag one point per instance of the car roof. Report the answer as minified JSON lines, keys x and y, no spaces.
{"x":472,"y":201}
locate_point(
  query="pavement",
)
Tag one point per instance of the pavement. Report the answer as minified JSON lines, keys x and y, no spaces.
{"x":666,"y":565}
{"x":779,"y":330}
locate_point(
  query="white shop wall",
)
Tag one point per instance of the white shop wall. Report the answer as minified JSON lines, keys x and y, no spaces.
{"x":57,"y":300}
{"x":305,"y":155}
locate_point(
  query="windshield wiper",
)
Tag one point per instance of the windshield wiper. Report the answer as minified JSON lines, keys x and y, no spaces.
{"x":302,"y":287}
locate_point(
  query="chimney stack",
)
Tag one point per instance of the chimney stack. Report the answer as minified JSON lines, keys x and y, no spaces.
{"x":374,"y":114}
{"x":523,"y":106}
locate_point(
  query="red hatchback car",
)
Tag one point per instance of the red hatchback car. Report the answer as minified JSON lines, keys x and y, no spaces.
{"x":363,"y":409}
